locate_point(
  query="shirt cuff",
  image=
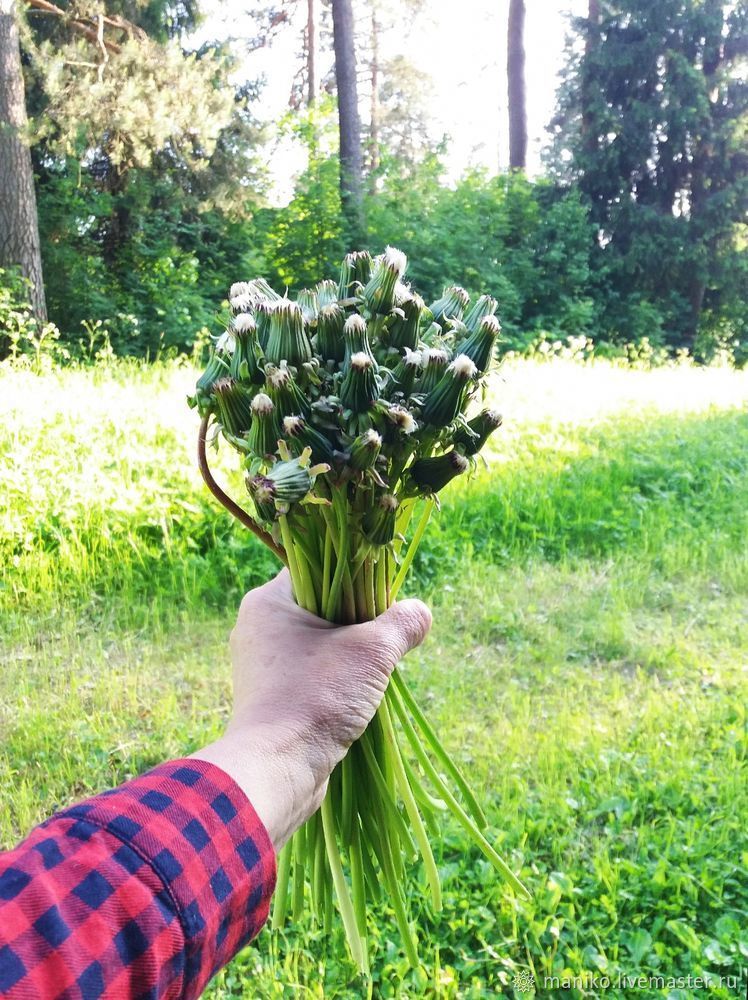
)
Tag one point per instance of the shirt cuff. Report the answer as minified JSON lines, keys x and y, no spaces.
{"x":193,"y":825}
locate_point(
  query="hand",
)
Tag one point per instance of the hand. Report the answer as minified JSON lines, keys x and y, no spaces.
{"x":304,"y":690}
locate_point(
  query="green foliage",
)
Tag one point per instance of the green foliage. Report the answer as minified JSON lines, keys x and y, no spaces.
{"x":651,"y":127}
{"x":602,"y":607}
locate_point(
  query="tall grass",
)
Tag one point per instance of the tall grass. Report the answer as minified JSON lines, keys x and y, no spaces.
{"x":587,"y":664}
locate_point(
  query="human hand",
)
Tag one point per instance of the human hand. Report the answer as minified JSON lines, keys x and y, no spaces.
{"x":304,"y":690}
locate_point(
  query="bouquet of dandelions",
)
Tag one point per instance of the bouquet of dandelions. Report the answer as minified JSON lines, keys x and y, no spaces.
{"x":348,"y":409}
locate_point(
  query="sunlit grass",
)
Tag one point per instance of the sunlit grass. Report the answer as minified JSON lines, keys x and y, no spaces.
{"x":587,"y":664}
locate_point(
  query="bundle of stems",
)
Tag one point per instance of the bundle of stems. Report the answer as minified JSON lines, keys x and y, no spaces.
{"x":348,"y":408}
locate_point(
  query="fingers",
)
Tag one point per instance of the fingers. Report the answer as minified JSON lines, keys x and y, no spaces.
{"x":398,"y":630}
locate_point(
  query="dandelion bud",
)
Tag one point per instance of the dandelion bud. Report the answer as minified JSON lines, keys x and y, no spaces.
{"x":478,"y":346}
{"x":307,"y":302}
{"x":302,"y":432}
{"x":263,"y":312}
{"x":365,"y":450}
{"x":245,"y":359}
{"x":288,"y":340}
{"x":444,"y":401}
{"x":329,"y":339}
{"x":379,"y":293}
{"x":356,"y":338}
{"x":404,"y":328}
{"x":359,"y":390}
{"x":405,"y":371}
{"x":433,"y":474}
{"x":261,"y":291}
{"x":470,"y":439}
{"x":355,"y":272}
{"x":434,"y":362}
{"x":234,"y":406}
{"x":285,"y":483}
{"x":452,"y":303}
{"x":483,"y":306}
{"x":402,"y":419}
{"x":327,"y":293}
{"x":264,"y":430}
{"x":285,"y":392}
{"x":216,"y":368}
{"x":378,"y":524}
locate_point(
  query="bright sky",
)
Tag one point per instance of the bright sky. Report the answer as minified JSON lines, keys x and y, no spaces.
{"x":461,"y":45}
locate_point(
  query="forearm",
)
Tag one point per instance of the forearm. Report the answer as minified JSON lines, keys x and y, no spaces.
{"x":150,"y":887}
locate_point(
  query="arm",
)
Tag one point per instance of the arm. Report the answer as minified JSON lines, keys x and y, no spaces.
{"x":150,"y":888}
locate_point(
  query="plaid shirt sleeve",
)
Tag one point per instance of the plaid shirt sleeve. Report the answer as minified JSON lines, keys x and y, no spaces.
{"x":145,"y":891}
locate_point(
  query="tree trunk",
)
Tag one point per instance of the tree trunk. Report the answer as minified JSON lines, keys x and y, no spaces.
{"x":19,"y":225}
{"x":311,"y":53}
{"x":374,"y":130}
{"x":516,"y":85}
{"x":351,"y":167}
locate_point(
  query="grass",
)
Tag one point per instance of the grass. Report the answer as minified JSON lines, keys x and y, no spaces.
{"x":587,"y":665}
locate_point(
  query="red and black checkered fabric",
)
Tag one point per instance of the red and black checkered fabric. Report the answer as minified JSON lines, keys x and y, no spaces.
{"x":144,"y":891}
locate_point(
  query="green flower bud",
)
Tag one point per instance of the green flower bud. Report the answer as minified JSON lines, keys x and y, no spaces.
{"x":217,"y":367}
{"x":443,"y":403}
{"x":327,"y":293}
{"x":379,"y":292}
{"x":263,"y":312}
{"x":478,"y":346}
{"x":483,"y":306}
{"x":433,"y":474}
{"x":471,"y":439}
{"x":288,"y":340}
{"x":405,"y":371}
{"x":329,"y":340}
{"x":307,"y":302}
{"x":452,"y":303}
{"x":355,"y":272}
{"x":403,"y":330}
{"x":306,"y":436}
{"x":285,"y":483}
{"x":434,"y":362}
{"x":365,"y":450}
{"x":260,"y":289}
{"x":359,"y":390}
{"x":265,"y":428}
{"x":234,"y":406}
{"x":356,"y":338}
{"x":378,"y":524}
{"x":247,"y":353}
{"x":285,"y":393}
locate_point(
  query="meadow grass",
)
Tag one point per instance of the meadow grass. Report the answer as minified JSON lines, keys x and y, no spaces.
{"x":587,"y":664}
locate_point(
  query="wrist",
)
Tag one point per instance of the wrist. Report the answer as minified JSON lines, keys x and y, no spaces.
{"x":278,"y":781}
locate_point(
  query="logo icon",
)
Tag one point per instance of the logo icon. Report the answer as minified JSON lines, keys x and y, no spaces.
{"x":523,"y":982}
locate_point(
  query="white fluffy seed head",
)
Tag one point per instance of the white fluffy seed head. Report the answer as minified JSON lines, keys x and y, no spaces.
{"x":395,"y":259}
{"x":242,"y":302}
{"x":433,"y":352}
{"x":459,"y":461}
{"x":245,"y":323}
{"x":388,"y":501}
{"x":403,"y":418}
{"x":355,"y":324}
{"x":491,"y":325}
{"x":262,"y":404}
{"x":291,"y":425}
{"x":463,"y":366}
{"x":277,"y":377}
{"x":239,"y":288}
{"x":411,"y":358}
{"x":225,"y":343}
{"x":372,"y":439}
{"x":361,"y":360}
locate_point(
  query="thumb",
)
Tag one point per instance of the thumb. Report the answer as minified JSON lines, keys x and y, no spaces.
{"x":399,"y":629}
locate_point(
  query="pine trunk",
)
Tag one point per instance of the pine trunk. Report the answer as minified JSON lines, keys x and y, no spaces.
{"x":351,"y":165}
{"x":516,"y":85}
{"x":311,"y":52}
{"x":19,"y":225}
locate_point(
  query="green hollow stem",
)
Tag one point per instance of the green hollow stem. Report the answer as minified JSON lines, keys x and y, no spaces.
{"x":454,"y":806}
{"x":438,"y":750}
{"x":280,"y":900}
{"x":411,"y":550}
{"x":358,"y":951}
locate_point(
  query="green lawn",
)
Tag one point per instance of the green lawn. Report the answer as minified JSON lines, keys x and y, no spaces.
{"x":588,"y":663}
